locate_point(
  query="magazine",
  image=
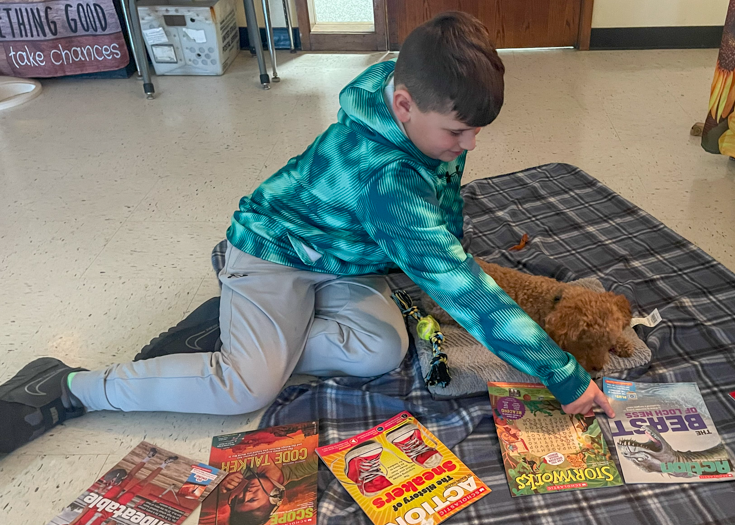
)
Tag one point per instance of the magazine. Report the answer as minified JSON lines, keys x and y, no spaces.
{"x":271,"y":477}
{"x":544,"y":449}
{"x":664,"y":433}
{"x":399,"y":473}
{"x":150,"y":486}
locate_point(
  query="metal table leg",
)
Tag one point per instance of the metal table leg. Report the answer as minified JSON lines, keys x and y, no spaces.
{"x":269,"y":35}
{"x":254,"y":36}
{"x":287,"y":14}
{"x":136,"y":35}
{"x":126,"y":16}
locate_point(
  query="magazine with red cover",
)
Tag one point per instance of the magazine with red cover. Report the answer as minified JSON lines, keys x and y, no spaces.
{"x":271,"y":477}
{"x":149,"y":486}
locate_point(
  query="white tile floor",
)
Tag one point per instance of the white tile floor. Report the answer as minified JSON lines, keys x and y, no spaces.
{"x":110,"y":205}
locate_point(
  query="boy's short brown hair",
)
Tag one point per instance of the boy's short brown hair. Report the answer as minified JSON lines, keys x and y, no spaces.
{"x":449,"y":64}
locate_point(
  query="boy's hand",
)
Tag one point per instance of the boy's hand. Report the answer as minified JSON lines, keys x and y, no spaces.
{"x":584,"y":403}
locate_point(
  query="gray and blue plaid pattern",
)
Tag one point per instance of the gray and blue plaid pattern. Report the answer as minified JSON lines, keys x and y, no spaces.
{"x":587,"y":231}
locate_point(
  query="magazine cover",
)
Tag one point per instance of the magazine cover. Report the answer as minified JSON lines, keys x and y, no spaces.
{"x":399,"y":473}
{"x":271,"y":477}
{"x":544,"y":449}
{"x":664,"y":433}
{"x":149,"y":486}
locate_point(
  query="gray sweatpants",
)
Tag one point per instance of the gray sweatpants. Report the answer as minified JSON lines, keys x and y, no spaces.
{"x":274,"y":320}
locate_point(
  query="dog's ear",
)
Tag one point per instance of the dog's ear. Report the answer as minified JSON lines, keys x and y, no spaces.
{"x":563,"y":327}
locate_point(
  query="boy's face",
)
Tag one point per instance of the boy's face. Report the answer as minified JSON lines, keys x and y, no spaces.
{"x":438,"y":135}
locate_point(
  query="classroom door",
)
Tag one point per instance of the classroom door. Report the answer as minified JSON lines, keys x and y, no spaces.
{"x":342,"y":25}
{"x":512,"y":23}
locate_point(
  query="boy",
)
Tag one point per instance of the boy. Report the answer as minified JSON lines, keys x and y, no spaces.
{"x":302,"y":289}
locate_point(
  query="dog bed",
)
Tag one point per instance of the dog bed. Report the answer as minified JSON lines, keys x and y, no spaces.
{"x":471,"y":365}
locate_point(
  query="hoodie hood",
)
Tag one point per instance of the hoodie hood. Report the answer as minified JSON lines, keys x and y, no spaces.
{"x":363,"y":109}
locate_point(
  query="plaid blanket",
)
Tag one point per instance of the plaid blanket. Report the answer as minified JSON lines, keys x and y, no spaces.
{"x":578,"y":228}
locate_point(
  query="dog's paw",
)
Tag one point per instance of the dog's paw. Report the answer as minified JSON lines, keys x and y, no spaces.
{"x":624,"y":347}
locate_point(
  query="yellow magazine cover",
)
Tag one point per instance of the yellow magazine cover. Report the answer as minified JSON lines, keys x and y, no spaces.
{"x":400,"y":474}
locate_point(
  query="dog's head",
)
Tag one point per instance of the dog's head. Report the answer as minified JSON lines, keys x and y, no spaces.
{"x":587,"y":324}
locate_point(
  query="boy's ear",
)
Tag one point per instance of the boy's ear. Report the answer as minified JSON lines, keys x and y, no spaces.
{"x":402,"y":104}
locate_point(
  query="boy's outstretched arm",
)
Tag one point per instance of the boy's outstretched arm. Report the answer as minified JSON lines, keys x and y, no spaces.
{"x":400,"y":211}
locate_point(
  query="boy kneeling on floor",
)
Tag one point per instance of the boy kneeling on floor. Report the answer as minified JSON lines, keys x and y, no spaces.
{"x":303,"y":288}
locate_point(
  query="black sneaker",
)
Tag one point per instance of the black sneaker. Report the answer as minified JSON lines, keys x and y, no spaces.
{"x":33,"y":401}
{"x":198,"y":332}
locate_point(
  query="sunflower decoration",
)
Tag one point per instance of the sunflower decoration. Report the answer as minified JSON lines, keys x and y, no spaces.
{"x":722,"y":94}
{"x":727,"y":139}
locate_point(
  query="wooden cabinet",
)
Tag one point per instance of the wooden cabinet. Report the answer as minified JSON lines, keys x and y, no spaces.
{"x":512,"y":23}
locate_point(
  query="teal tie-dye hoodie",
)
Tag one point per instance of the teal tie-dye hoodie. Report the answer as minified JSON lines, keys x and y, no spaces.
{"x":363,"y":199}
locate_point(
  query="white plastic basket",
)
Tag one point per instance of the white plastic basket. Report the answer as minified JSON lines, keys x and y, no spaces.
{"x":17,"y":91}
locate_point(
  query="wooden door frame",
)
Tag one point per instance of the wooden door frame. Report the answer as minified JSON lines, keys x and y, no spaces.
{"x":376,"y":40}
{"x":585,"y":25}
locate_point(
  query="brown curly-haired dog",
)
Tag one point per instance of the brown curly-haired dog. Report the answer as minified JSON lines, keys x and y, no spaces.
{"x":585,"y":323}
